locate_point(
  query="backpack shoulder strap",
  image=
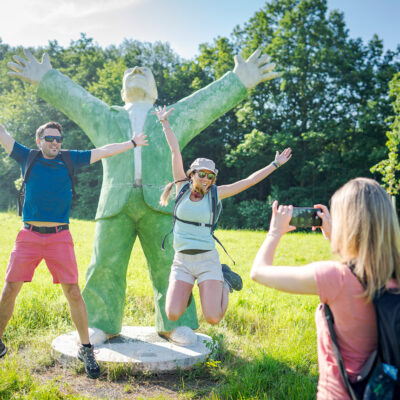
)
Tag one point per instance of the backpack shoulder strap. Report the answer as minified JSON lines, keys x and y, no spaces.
{"x":32,"y":156}
{"x":178,"y":199}
{"x":216,"y":207}
{"x":67,"y":160}
{"x":181,"y":193}
{"x":339,"y":360}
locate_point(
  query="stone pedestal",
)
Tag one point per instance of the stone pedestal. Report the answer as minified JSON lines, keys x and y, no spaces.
{"x":141,"y":347}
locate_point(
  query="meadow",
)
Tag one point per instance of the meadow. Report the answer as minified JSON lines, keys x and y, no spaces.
{"x":265,"y":345}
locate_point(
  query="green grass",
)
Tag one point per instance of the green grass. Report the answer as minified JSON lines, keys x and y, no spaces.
{"x":267,"y":340}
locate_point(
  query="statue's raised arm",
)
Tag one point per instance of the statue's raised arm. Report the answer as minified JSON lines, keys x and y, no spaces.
{"x":196,"y":112}
{"x":65,"y":95}
{"x":29,"y":69}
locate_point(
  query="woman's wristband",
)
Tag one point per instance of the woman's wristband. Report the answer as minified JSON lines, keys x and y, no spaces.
{"x":134,"y":143}
{"x":275,"y":164}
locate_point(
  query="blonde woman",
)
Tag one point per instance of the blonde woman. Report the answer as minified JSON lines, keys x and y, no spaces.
{"x":364,"y":232}
{"x":195,"y":254}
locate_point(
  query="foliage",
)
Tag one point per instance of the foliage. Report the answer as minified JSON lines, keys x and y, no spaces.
{"x":331,"y":106}
{"x":390,"y":167}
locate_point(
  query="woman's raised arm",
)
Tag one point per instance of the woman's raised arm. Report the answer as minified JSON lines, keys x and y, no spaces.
{"x":239,"y":186}
{"x":177,"y":164}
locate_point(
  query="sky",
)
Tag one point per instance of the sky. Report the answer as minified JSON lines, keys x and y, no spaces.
{"x":185,"y":24}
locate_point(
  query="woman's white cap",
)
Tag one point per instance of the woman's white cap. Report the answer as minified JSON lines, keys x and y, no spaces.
{"x":203,"y":163}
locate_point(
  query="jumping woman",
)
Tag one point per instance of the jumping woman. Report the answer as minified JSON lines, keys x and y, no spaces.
{"x":195,"y":254}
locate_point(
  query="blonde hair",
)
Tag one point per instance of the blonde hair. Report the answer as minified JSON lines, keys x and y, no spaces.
{"x":167,"y":191}
{"x":365,"y":231}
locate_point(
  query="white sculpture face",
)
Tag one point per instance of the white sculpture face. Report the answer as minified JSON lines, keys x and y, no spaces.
{"x":138,"y":84}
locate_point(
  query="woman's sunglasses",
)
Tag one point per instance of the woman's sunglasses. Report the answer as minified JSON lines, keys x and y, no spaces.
{"x":50,"y":139}
{"x":203,"y":174}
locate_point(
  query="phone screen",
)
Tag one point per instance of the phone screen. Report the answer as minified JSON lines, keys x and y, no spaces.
{"x":305,"y":217}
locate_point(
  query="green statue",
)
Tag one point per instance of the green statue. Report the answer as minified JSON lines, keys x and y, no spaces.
{"x":133,"y":182}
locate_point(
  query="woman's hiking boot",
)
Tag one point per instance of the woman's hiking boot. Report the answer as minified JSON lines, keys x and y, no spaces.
{"x":3,"y":349}
{"x":232,"y":278}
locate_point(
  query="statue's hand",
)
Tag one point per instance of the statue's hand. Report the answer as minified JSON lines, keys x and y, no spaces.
{"x":29,"y":69}
{"x":255,"y":69}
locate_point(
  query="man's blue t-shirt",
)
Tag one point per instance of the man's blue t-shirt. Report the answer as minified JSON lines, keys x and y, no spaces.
{"x":48,"y":191}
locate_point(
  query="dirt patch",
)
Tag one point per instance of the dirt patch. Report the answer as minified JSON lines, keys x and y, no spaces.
{"x":180,"y":385}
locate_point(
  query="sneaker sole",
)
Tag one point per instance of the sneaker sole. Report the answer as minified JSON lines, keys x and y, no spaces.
{"x":91,"y":376}
{"x":233,"y":279}
{"x":4,"y":351}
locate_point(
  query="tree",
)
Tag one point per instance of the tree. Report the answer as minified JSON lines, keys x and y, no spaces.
{"x":389,"y":168}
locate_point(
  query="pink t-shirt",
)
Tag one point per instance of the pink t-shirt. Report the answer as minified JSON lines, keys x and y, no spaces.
{"x":355,"y":327}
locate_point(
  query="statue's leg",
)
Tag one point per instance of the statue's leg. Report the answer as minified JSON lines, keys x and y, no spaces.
{"x":151,"y":230}
{"x":104,"y":292}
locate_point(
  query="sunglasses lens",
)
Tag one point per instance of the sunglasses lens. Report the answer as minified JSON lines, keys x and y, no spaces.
{"x":209,"y":176}
{"x":50,"y":139}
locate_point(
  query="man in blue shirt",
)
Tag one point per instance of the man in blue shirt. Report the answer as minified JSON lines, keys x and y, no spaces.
{"x":45,"y":234}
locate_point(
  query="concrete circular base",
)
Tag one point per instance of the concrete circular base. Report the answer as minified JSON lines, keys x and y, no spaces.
{"x":142,"y":347}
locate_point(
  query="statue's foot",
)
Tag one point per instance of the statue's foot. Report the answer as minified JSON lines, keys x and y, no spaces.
{"x":97,"y":336}
{"x":182,"y":336}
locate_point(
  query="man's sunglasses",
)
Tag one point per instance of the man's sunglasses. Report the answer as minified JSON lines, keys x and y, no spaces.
{"x":50,"y":139}
{"x":203,"y":174}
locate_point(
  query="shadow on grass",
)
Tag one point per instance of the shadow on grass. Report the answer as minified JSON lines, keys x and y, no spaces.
{"x":223,"y":375}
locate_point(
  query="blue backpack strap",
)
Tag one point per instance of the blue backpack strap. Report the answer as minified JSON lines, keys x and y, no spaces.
{"x":32,"y":156}
{"x":182,"y":191}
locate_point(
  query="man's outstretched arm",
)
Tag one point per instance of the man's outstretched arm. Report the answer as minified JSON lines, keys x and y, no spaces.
{"x":6,"y":140}
{"x":113,"y":149}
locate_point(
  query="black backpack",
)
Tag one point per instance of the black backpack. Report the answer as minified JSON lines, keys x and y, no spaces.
{"x":216,"y":208}
{"x":380,"y":376}
{"x":32,"y":157}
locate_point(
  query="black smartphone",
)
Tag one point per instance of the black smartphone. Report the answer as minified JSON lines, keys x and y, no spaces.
{"x":305,"y":217}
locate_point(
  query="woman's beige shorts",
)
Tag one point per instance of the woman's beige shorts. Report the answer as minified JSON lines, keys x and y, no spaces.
{"x":202,"y":266}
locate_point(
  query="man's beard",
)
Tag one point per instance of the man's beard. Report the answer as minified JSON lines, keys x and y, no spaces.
{"x":50,"y":153}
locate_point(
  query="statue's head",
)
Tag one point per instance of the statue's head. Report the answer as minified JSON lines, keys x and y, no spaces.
{"x":138,"y":84}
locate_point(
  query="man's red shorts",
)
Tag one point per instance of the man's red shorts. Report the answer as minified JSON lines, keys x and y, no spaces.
{"x":57,"y":249}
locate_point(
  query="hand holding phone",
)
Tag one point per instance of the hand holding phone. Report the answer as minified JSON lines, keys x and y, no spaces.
{"x":305,"y":217}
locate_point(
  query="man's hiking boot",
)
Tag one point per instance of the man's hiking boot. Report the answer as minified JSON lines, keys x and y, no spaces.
{"x":86,"y":355}
{"x":3,"y":349}
{"x":233,"y":280}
